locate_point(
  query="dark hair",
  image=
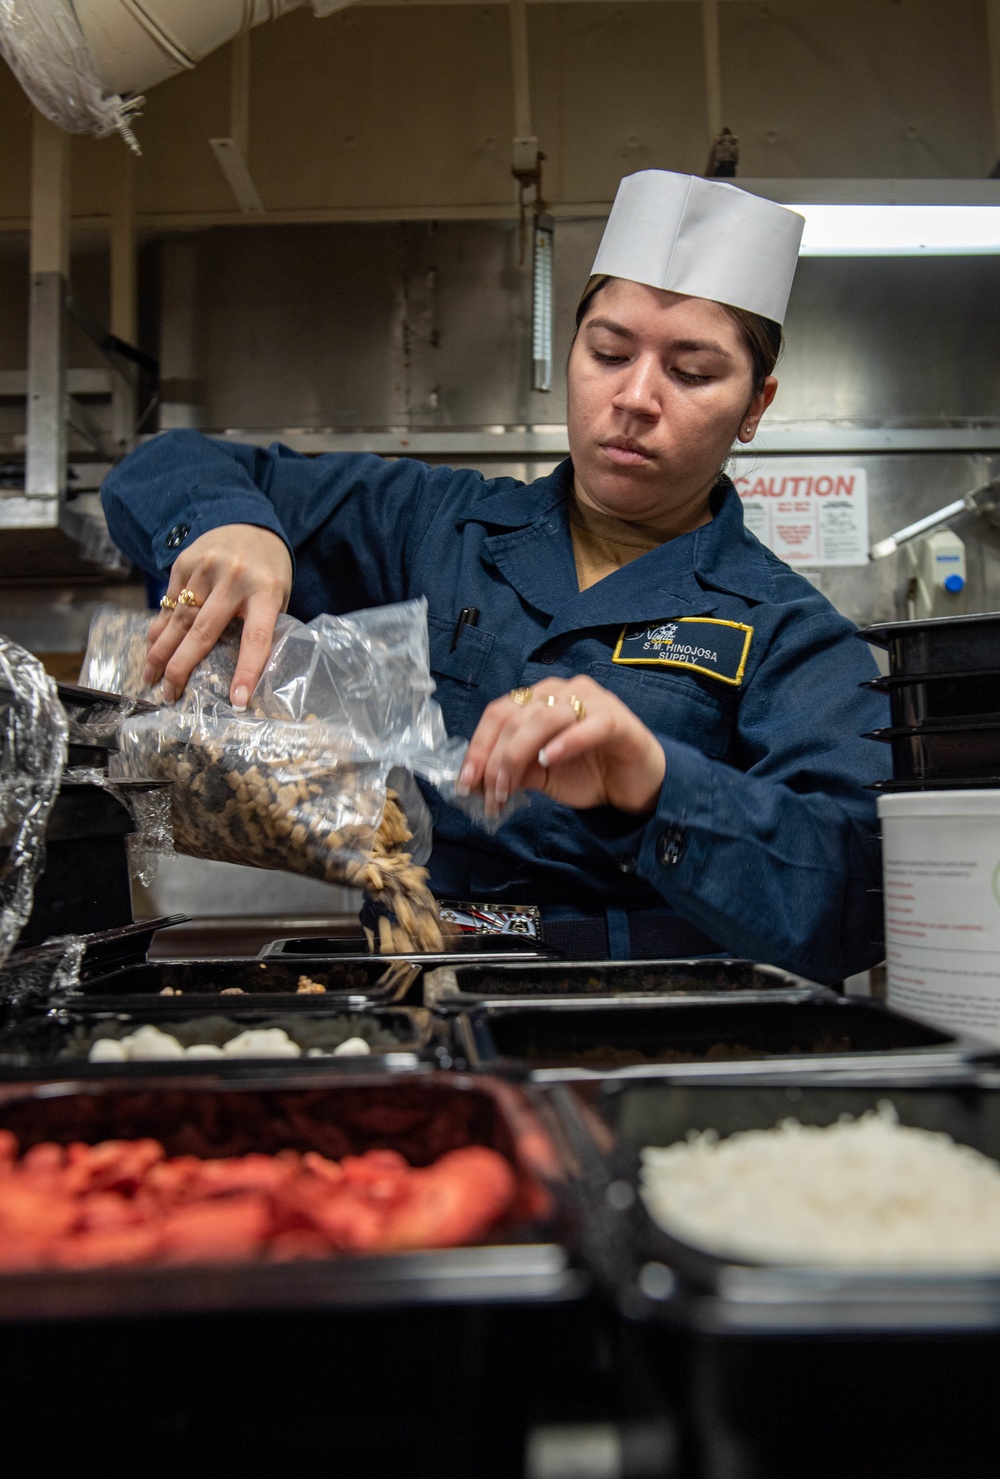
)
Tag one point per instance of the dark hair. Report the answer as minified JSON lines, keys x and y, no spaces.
{"x":761,"y":336}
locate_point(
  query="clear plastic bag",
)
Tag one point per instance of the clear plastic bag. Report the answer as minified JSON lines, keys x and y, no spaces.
{"x":43,"y":45}
{"x":116,"y":656}
{"x":94,"y":721}
{"x":368,"y":674}
{"x":32,"y":756}
{"x":316,"y":776}
{"x":42,"y":978}
{"x":152,"y":837}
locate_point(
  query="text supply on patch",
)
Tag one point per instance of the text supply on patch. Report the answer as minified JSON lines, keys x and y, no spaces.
{"x":702,"y":644}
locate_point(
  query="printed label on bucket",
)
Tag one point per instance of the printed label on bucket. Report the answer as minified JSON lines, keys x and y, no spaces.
{"x":942,"y":916}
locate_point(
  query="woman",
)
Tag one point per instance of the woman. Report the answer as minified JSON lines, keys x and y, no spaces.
{"x":609,"y":637}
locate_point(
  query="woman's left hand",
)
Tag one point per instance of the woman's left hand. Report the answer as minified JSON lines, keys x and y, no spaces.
{"x":571,"y":739}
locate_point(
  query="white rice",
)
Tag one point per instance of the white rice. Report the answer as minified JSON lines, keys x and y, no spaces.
{"x":863,"y":1193}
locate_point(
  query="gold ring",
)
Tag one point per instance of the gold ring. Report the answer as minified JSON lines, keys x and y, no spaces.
{"x":579,"y":709}
{"x":550,"y":701}
{"x":521,"y":696}
{"x":167,"y":603}
{"x":187,"y":598}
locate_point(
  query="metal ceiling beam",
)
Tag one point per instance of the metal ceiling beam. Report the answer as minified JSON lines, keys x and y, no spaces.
{"x":124,"y":294}
{"x":551,"y":441}
{"x":45,"y":467}
{"x":787,"y":190}
{"x":232,"y":153}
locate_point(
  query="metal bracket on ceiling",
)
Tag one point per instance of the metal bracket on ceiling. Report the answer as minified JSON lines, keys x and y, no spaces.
{"x":232,"y":153}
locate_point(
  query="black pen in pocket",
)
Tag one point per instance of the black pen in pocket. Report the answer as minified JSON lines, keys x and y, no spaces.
{"x":467,"y":617}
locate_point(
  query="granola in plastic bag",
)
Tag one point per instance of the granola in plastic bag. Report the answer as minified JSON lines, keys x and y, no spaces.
{"x":316,"y":776}
{"x":32,"y":756}
{"x":116,"y":656}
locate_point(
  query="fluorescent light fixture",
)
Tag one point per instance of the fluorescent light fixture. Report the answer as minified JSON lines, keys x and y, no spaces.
{"x":541,"y":305}
{"x":900,"y":230}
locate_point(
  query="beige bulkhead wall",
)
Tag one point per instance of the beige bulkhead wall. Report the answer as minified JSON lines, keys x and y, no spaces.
{"x":405,"y":110}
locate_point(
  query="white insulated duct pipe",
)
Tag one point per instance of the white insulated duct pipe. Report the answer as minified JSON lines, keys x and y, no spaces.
{"x":138,"y":43}
{"x":81,"y":61}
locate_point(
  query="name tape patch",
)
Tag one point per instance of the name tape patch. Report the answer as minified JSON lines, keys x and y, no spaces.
{"x":702,"y":644}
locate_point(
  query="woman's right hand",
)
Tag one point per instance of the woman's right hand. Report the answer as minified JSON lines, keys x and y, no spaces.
{"x":235,"y":570}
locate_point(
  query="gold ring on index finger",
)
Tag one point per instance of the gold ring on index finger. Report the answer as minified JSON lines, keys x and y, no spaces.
{"x":578,"y":707}
{"x":167,"y":603}
{"x":521,"y":696}
{"x":187,"y":598}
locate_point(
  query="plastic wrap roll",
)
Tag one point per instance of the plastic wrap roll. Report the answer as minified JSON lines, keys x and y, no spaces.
{"x":33,"y":744}
{"x":44,"y":46}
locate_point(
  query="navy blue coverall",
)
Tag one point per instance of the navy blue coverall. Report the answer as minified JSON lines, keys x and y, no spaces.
{"x":764,"y":843}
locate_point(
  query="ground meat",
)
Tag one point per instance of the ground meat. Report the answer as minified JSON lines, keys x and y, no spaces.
{"x":609,"y":1057}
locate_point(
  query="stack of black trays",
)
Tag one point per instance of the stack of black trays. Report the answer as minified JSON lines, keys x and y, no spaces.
{"x":85,"y":885}
{"x":944,"y":696}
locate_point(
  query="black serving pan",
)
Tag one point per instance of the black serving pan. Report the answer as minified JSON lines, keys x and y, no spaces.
{"x":85,"y":884}
{"x":630,"y":1039}
{"x":941,"y":698}
{"x":956,"y":783}
{"x":434,"y":1363}
{"x":945,"y":752}
{"x":939,"y":644}
{"x":484,"y":949}
{"x":50,"y":1044}
{"x":609,"y":1122}
{"x":795,"y":1370}
{"x":525,"y":1257}
{"x":101,"y":951}
{"x":95,"y":716}
{"x":94,"y":719}
{"x":455,"y":987}
{"x":224,"y":984}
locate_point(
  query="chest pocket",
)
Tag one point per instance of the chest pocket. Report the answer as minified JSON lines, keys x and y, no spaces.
{"x":674,"y":705}
{"x":467,"y":663}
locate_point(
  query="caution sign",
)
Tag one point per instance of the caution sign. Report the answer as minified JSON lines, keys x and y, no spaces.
{"x":808,"y":513}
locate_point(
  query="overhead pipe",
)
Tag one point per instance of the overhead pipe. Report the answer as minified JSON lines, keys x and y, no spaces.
{"x":85,"y":63}
{"x":136,"y":45}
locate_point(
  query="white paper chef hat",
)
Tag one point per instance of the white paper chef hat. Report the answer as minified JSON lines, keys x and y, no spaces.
{"x":703,"y":238}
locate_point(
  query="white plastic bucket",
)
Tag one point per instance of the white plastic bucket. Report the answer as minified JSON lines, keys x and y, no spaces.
{"x":941,"y":867}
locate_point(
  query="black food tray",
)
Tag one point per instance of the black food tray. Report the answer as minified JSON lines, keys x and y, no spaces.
{"x":468,"y":985}
{"x":971,"y":783}
{"x":207,"y":982}
{"x":785,"y":1370}
{"x":941,"y":698}
{"x":524,"y":1260}
{"x":940,"y":644}
{"x":54,"y":1043}
{"x":126,"y":944}
{"x":717,"y":1295}
{"x":493,"y":949}
{"x":576,"y":1039}
{"x":965,"y":752}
